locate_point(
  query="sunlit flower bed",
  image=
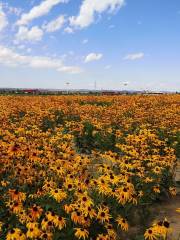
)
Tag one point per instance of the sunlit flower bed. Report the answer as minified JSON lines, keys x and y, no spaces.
{"x":86,"y":167}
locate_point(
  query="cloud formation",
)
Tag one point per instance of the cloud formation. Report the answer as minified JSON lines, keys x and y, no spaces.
{"x":89,"y":8}
{"x":68,"y":30}
{"x":3,"y":19}
{"x":39,"y":11}
{"x":134,"y":56}
{"x":55,"y":24}
{"x":10,"y":58}
{"x":33,"y":35}
{"x":93,"y":57}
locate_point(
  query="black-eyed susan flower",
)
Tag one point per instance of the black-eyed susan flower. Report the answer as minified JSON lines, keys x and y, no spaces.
{"x":35,"y":212}
{"x":58,"y":194}
{"x":17,"y":196}
{"x":103,"y":214}
{"x":81,"y":233}
{"x":151,"y":234}
{"x":77,"y":217}
{"x":59,"y":222}
{"x":33,"y":232}
{"x":46,"y":236}
{"x":102,"y":237}
{"x":122,"y":222}
{"x":172,"y":191}
{"x":15,"y":234}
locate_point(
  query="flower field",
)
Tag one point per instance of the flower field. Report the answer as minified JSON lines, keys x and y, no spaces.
{"x":87,"y":167}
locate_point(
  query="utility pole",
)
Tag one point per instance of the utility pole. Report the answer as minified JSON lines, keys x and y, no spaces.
{"x":67,"y":84}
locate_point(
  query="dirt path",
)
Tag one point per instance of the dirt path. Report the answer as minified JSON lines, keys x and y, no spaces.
{"x":168,"y":209}
{"x":177,"y":176}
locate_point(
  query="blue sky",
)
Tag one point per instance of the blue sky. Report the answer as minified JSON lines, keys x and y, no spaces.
{"x":120,"y":44}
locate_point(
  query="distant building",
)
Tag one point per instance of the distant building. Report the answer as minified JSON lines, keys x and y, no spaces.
{"x":29,"y":91}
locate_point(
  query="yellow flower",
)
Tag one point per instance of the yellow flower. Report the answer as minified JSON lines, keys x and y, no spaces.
{"x":17,"y":196}
{"x":77,"y":217}
{"x":4,"y":183}
{"x":81,"y":233}
{"x":68,"y":208}
{"x":50,"y":216}
{"x":122,"y":223}
{"x":150,"y":234}
{"x":15,"y":234}
{"x":85,"y":200}
{"x":103,"y":214}
{"x":47,"y":236}
{"x":16,"y":207}
{"x":35,"y":212}
{"x":59,"y":222}
{"x":124,"y":194}
{"x":89,"y":211}
{"x":1,"y":224}
{"x":33,"y":232}
{"x":172,"y":191}
{"x":44,"y":224}
{"x":178,"y":210}
{"x":156,"y":189}
{"x":58,"y":194}
{"x":111,"y":232}
{"x":102,"y":237}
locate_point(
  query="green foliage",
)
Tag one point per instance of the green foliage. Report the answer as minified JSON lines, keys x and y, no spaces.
{"x":96,"y":103}
{"x":59,"y":119}
{"x":47,"y":124}
{"x":91,"y":139}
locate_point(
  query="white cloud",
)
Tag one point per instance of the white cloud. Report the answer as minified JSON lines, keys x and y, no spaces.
{"x":85,"y":41}
{"x":70,"y":69}
{"x":134,"y":56}
{"x":34,"y":34}
{"x":11,"y":58}
{"x":38,"y":11}
{"x":93,"y":57}
{"x":3,"y":19}
{"x":68,"y":30}
{"x":89,"y":8}
{"x":55,"y":24}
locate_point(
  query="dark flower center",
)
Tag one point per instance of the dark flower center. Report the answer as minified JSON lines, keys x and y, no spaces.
{"x":35,"y":209}
{"x":166,"y":224}
{"x":102,"y":214}
{"x":84,"y":199}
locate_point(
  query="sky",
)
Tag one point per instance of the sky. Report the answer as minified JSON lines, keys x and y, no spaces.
{"x":88,"y":44}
